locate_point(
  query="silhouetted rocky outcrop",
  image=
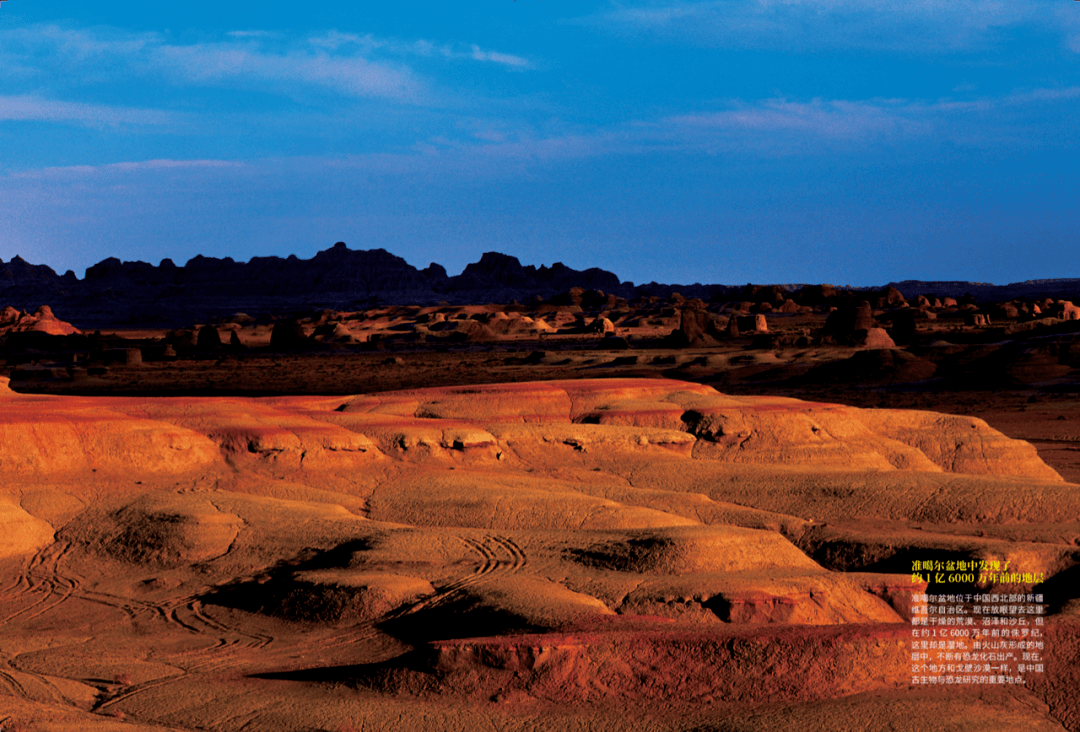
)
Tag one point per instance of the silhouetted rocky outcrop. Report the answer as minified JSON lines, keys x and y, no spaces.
{"x":288,"y":335}
{"x":19,"y":273}
{"x":208,"y":339}
{"x":209,"y":289}
{"x":506,"y":279}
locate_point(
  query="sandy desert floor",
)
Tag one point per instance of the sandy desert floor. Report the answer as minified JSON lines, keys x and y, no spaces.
{"x":586,"y":554}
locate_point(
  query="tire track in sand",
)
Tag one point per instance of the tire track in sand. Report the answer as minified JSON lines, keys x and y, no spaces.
{"x":43,"y":577}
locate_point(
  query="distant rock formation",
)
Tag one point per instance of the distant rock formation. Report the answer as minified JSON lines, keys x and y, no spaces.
{"x":856,"y":326}
{"x":877,"y":338}
{"x":209,"y":339}
{"x":42,"y":321}
{"x":288,"y":335}
{"x":506,"y":279}
{"x":603,"y":326}
{"x":1066,"y":310}
{"x":210,"y":290}
{"x":697,"y":328}
{"x":1068,"y":288}
{"x":472,"y":331}
{"x":18,"y":273}
{"x":890,"y":297}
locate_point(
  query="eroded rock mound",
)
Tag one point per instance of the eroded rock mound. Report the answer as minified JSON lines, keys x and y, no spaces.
{"x":677,"y":551}
{"x":166,"y":531}
{"x":53,"y":437}
{"x":960,"y":444}
{"x":43,"y":320}
{"x":328,"y":596}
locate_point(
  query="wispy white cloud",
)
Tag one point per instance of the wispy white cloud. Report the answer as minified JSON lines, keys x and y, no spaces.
{"x":231,"y":65}
{"x":335,"y":40}
{"x":918,"y":25}
{"x":784,"y":126}
{"x":253,"y":34}
{"x":765,"y":128}
{"x":70,"y":172}
{"x":245,"y":59}
{"x":772,"y":127}
{"x":836,"y":119}
{"x":358,"y":66}
{"x":30,"y":107}
{"x":1044,"y":95}
{"x":505,"y":59}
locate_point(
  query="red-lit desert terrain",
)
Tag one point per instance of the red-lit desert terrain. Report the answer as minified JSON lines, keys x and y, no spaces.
{"x":339,"y":494}
{"x":606,"y":554}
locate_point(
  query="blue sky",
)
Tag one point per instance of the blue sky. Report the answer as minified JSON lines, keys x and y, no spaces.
{"x":843,"y":141}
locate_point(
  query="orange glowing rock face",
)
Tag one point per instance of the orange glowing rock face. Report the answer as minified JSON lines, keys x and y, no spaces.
{"x":41,"y":321}
{"x":533,"y":554}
